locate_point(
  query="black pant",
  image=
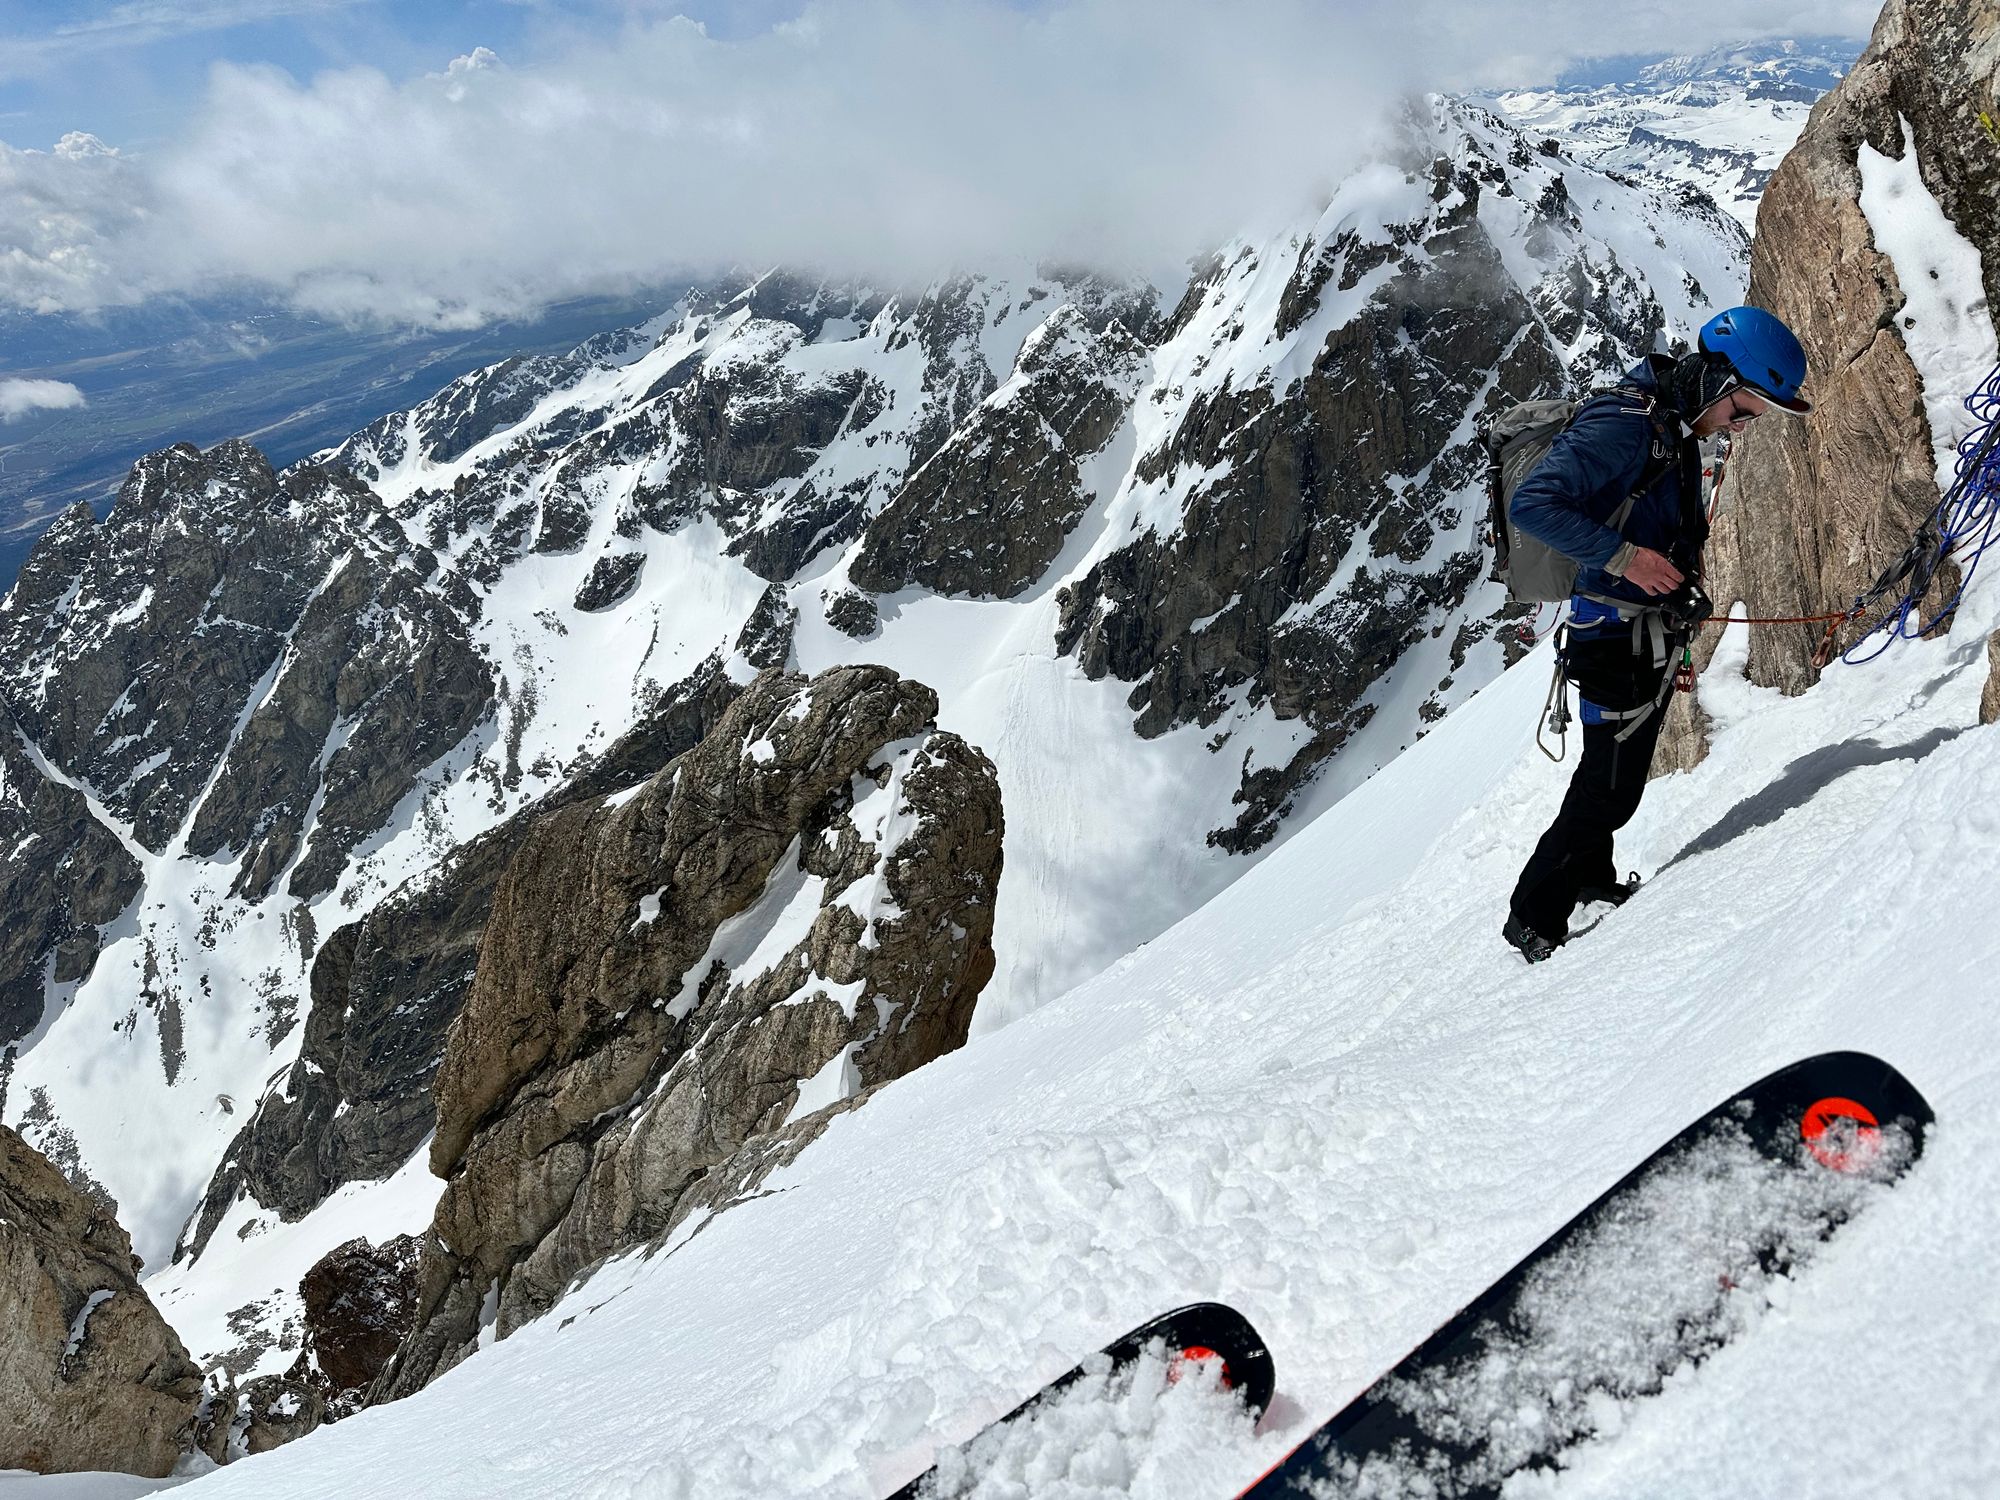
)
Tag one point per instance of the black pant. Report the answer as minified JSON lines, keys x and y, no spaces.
{"x":1576,"y":851}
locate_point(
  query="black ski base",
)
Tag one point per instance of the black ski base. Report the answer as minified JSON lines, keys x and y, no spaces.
{"x":1659,"y":1271}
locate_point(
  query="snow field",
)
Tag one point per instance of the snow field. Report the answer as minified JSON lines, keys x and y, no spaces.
{"x":1333,"y":1099}
{"x":1946,"y":323}
{"x":1115,"y":1430}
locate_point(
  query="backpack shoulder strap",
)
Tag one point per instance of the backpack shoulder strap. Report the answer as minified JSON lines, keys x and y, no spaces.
{"x":1660,"y":454}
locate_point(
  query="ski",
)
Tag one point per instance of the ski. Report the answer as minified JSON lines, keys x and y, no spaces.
{"x":1203,"y":1334}
{"x":1661,"y":1270}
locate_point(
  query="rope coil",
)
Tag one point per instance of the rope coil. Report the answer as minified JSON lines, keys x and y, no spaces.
{"x":1963,"y":524}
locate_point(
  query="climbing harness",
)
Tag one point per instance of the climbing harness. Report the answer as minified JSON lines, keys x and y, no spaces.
{"x":1962,"y":526}
{"x":1555,"y":712}
{"x":1658,"y":632}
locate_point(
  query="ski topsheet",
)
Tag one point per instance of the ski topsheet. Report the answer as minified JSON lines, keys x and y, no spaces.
{"x":1206,"y":1340}
{"x":1661,"y":1270}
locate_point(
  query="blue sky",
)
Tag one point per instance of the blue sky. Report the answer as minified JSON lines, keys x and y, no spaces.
{"x":129,"y":72}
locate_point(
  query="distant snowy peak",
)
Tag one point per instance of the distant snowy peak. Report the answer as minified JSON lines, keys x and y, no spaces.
{"x":1720,"y":121}
{"x":1801,"y":70}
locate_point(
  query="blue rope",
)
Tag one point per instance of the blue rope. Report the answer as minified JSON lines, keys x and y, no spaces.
{"x":1965,"y":523}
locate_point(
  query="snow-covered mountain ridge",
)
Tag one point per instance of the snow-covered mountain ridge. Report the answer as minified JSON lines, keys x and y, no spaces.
{"x":1245,"y":528}
{"x":1331,"y":1097}
{"x":1719,"y":121}
{"x":471,"y":601}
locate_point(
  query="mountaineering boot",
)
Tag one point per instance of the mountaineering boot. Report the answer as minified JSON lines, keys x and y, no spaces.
{"x":1615,"y":894}
{"x":1529,"y":943}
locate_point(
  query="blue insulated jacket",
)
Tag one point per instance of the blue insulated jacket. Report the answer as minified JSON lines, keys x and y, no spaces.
{"x":1568,"y":498}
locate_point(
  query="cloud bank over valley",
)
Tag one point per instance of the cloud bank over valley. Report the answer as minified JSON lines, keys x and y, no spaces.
{"x":881,"y":138}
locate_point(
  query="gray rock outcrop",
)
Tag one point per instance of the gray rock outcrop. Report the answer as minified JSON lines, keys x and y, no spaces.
{"x":132,"y":649}
{"x":989,"y":511}
{"x":386,"y":989}
{"x":799,"y":910}
{"x":239,"y":1421}
{"x":91,"y":1377}
{"x":360,"y":1300}
{"x":63,"y":875}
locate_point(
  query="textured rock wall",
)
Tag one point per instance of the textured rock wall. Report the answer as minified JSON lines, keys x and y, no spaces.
{"x":385,"y":990}
{"x":800,"y":909}
{"x":1255,"y":591}
{"x":360,"y":1300}
{"x":62,"y":875}
{"x":232,"y":652}
{"x":1815,"y":509}
{"x":125,"y":635}
{"x":987,"y":514}
{"x":91,"y":1377}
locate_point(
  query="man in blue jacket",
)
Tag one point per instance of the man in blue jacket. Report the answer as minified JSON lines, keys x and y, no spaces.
{"x":1638,"y":597}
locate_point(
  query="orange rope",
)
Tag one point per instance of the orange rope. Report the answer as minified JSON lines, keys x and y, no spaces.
{"x":1718,"y":620}
{"x":1824,"y":653}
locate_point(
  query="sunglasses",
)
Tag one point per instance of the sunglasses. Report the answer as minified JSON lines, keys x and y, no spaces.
{"x":1739,"y":414}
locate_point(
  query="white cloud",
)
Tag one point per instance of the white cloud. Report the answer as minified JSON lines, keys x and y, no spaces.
{"x":19,"y":397}
{"x":882,"y":136}
{"x":69,"y":221}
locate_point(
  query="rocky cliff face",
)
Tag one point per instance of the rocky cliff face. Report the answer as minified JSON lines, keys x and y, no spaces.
{"x":1171,"y":567}
{"x":801,"y":908}
{"x":385,"y":989}
{"x":989,"y":511}
{"x":63,"y":877}
{"x":1815,"y":509}
{"x":90,"y":1376}
{"x":1317,"y":519}
{"x":130,"y":651}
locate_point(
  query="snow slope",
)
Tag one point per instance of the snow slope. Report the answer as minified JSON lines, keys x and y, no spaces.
{"x":1333,"y":1099}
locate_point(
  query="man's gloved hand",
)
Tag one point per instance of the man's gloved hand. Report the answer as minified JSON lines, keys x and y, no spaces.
{"x":1653,"y":571}
{"x":1687,"y":606}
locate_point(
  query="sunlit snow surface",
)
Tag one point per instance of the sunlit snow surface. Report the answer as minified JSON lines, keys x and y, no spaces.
{"x":1332,"y":1098}
{"x":1114,"y":1431}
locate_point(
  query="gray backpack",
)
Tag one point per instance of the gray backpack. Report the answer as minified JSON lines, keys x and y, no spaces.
{"x":1516,"y":441}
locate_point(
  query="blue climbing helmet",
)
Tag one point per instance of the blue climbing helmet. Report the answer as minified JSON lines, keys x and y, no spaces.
{"x":1762,"y":353}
